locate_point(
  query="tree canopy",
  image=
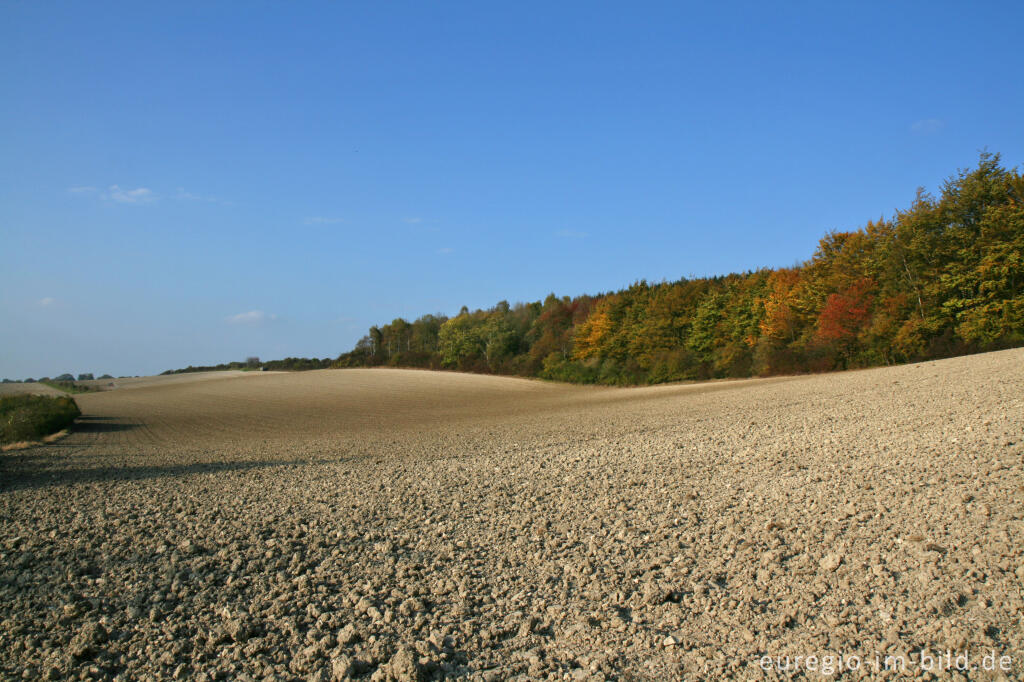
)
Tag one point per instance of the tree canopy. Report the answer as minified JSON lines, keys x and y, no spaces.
{"x":943,"y":277}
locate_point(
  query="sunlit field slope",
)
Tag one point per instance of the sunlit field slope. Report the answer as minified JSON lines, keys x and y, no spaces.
{"x":403,"y":524}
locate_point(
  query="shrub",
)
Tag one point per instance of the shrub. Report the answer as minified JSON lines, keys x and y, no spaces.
{"x":30,"y":417}
{"x":70,"y":386}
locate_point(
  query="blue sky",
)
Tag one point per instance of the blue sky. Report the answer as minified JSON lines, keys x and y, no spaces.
{"x":192,"y":183}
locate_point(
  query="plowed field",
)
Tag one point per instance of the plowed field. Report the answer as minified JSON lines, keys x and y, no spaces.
{"x":398,"y":524}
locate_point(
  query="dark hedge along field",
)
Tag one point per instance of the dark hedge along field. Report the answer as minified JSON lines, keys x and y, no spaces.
{"x":31,"y":417}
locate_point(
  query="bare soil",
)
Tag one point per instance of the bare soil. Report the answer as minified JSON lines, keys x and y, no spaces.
{"x":394,"y":524}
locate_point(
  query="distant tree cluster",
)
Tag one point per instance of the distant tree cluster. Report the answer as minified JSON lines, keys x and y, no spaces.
{"x":944,"y":277}
{"x":288,"y":364}
{"x":206,"y":368}
{"x":85,"y":376}
{"x":298,"y":364}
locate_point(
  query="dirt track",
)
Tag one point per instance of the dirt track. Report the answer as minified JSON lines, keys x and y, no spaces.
{"x":403,"y":524}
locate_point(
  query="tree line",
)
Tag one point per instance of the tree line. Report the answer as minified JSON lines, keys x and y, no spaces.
{"x":254,"y":363}
{"x":944,"y":277}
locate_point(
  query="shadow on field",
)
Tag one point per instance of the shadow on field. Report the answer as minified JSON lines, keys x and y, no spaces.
{"x":37,"y":468}
{"x":101,"y":425}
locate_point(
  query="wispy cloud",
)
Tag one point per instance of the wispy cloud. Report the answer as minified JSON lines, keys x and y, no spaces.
{"x":253,"y":317}
{"x":142,"y":195}
{"x":571,"y":234}
{"x":46,"y":302}
{"x":323,"y":220}
{"x":927,"y":126}
{"x":185,"y":195}
{"x":445,"y":250}
{"x":413,"y":221}
{"x":123,"y":195}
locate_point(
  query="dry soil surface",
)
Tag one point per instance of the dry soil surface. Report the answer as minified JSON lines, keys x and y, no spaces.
{"x":394,"y":524}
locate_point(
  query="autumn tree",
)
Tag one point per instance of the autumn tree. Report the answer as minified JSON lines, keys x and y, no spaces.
{"x":944,"y":276}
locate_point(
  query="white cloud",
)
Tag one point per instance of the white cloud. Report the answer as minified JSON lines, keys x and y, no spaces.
{"x":251,"y":317}
{"x":413,"y":221}
{"x":123,"y":195}
{"x":572,"y":234}
{"x":445,"y":250}
{"x":45,"y":302}
{"x":927,"y":126}
{"x":321,"y":220}
{"x":81,"y":189}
